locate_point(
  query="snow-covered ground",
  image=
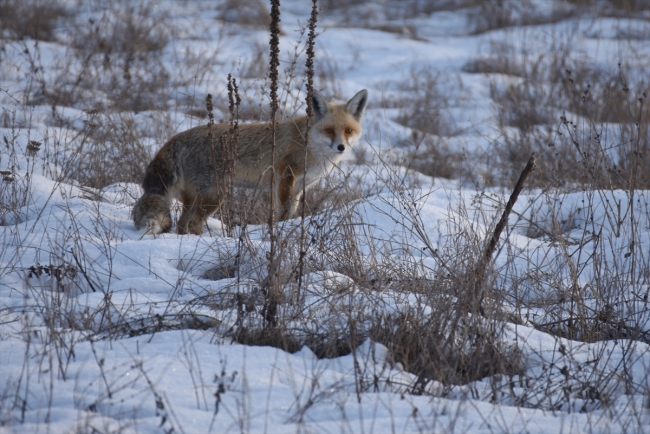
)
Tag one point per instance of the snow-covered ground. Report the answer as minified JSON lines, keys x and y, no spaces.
{"x":106,"y":329}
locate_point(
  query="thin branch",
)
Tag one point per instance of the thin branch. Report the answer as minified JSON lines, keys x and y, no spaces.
{"x":492,"y":243}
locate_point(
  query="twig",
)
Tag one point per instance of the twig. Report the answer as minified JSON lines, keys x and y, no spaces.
{"x":492,"y":244}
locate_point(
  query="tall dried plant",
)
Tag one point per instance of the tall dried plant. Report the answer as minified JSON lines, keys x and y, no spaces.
{"x":228,"y":143}
{"x":272,"y":286}
{"x":311,"y":39}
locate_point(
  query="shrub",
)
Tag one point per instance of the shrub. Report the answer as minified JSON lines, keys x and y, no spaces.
{"x":32,"y":19}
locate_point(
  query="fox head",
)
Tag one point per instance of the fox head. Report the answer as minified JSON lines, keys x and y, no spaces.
{"x":337,"y":127}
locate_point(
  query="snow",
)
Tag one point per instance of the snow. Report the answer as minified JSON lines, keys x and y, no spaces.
{"x":106,"y":329}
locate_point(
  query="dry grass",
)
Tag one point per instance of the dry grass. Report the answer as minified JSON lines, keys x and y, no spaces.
{"x":114,"y":152}
{"x":435,"y":338}
{"x":369,"y":13}
{"x":426,"y":110}
{"x":590,"y":127}
{"x":33,"y":19}
{"x":120,"y":55}
{"x":588,"y":124}
{"x":613,"y":7}
{"x":432,"y":156}
{"x":430,"y":95}
{"x":117,"y":57}
{"x":247,"y":13}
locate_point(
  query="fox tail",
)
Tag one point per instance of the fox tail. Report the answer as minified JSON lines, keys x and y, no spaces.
{"x":152,"y":210}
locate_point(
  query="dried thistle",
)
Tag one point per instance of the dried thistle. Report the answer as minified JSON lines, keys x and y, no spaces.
{"x":33,"y":147}
{"x":272,"y":288}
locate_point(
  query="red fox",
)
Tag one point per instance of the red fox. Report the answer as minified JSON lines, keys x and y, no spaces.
{"x":184,"y":168}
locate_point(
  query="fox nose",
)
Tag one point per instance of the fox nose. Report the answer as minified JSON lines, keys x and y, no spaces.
{"x":341,"y":148}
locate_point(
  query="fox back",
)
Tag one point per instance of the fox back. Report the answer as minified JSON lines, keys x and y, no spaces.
{"x":186,"y":167}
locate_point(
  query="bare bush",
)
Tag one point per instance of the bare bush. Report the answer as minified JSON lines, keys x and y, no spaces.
{"x":542,"y":95}
{"x":30,"y":19}
{"x":498,"y":14}
{"x":613,"y":7}
{"x":426,"y":110}
{"x":426,"y":107}
{"x":15,"y":187}
{"x":258,"y":64}
{"x":117,"y":54}
{"x":377,"y":16}
{"x":114,"y":152}
{"x":249,"y":13}
{"x":432,"y":156}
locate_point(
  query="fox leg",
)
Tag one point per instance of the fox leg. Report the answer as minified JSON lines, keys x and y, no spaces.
{"x":186,"y":215}
{"x":298,"y":193}
{"x":285,"y":197}
{"x":196,"y":210}
{"x":295,"y":199}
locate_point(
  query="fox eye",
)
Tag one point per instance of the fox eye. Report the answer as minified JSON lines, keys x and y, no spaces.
{"x":329,"y":130}
{"x":348,"y":131}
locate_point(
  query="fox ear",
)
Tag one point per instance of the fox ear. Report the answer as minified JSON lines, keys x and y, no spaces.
{"x":319,"y":103}
{"x":357,"y":105}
